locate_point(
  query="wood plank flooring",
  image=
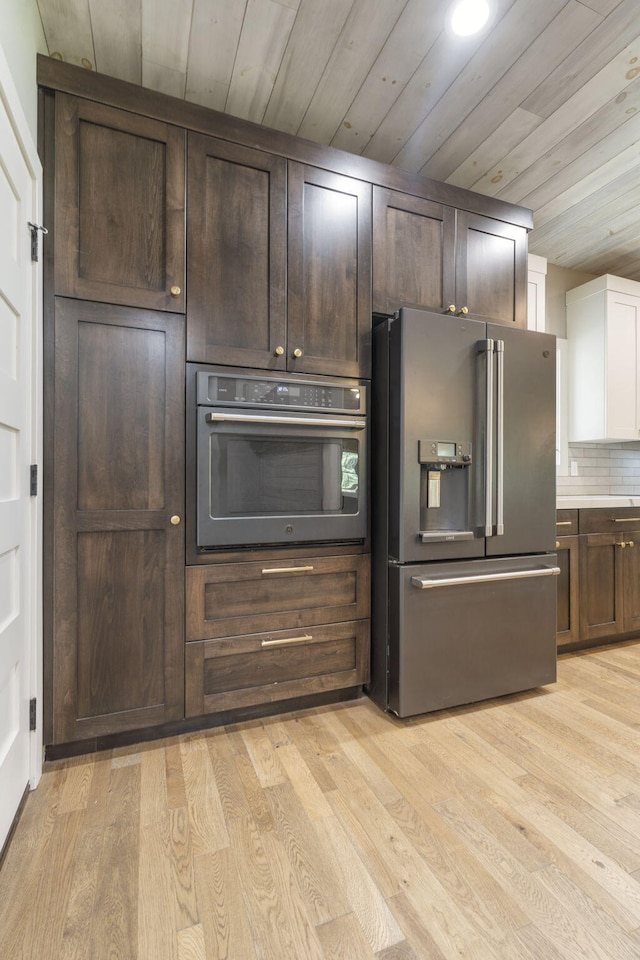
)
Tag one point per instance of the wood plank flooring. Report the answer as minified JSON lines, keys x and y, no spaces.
{"x":501,"y":831}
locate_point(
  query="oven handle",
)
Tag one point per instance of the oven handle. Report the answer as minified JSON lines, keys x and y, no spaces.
{"x":296,"y":421}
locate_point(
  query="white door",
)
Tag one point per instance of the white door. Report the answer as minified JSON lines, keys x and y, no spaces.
{"x":19,"y":521}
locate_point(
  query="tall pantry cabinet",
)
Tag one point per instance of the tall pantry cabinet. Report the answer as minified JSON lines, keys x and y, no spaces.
{"x":115,"y":383}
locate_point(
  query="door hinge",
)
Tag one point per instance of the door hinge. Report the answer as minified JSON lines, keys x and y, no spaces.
{"x":34,"y":227}
{"x":33,"y":703}
{"x":33,"y":489}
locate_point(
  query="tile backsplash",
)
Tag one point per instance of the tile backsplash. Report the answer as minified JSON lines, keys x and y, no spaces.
{"x":603,"y":469}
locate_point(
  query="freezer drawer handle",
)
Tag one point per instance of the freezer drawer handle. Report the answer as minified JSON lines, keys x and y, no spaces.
{"x":423,"y":584}
{"x":331,"y":422}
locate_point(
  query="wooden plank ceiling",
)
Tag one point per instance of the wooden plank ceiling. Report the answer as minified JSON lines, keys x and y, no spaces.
{"x":541,"y":108}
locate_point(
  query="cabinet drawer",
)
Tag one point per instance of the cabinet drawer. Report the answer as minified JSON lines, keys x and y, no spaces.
{"x":566,"y":523}
{"x":226,"y":600}
{"x":609,"y":520}
{"x":242,"y":671}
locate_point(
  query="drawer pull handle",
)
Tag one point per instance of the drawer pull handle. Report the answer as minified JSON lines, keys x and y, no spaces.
{"x":287,"y":570}
{"x":564,"y":523}
{"x":282,"y":643}
{"x":624,"y":519}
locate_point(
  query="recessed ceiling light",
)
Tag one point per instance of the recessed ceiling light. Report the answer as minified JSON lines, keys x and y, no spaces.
{"x":469,"y":16}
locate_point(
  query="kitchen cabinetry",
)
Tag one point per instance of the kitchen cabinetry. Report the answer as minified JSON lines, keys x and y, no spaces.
{"x":427,"y":254}
{"x":119,"y":206}
{"x":568,"y":585}
{"x":609,"y":572}
{"x":268,"y":631}
{"x":279,"y":237}
{"x":603,"y":329}
{"x":118,"y":499}
{"x":254,"y":219}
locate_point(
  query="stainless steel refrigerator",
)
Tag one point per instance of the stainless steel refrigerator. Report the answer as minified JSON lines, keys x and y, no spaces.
{"x":463,"y":512}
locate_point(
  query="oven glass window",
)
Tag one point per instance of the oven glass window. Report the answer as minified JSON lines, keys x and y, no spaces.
{"x":271,"y":476}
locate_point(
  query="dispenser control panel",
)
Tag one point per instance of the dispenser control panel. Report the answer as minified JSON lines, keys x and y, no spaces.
{"x":444,"y":453}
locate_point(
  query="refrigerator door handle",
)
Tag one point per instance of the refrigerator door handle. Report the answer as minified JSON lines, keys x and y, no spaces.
{"x":487,"y":347}
{"x":424,"y":583}
{"x":499,"y":374}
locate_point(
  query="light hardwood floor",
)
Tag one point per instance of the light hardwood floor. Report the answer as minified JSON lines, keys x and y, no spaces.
{"x":501,"y":831}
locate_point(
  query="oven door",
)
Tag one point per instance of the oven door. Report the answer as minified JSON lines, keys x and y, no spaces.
{"x":279,"y":478}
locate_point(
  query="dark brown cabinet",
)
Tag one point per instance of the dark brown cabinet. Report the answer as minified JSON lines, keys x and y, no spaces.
{"x":329,"y":273}
{"x":568,"y":582}
{"x":254,"y":220}
{"x":430,"y":255}
{"x":119,"y":206}
{"x":601,"y":581}
{"x":237,"y":255}
{"x":118,"y":500}
{"x":273,"y":630}
{"x":609,"y":573}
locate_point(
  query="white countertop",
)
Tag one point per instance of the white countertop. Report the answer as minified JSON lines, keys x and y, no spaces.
{"x":572,"y":503}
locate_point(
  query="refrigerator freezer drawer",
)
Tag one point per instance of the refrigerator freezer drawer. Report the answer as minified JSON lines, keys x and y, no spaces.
{"x":471,"y":630}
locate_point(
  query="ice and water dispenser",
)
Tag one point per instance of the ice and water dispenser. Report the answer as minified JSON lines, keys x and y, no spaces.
{"x":445,"y":492}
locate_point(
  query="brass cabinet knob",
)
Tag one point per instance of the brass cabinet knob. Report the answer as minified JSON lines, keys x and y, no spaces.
{"x":278,"y":351}
{"x":464,"y":311}
{"x":175,"y":291}
{"x":622,"y":544}
{"x":630,"y":543}
{"x":557,"y":544}
{"x":451,"y":308}
{"x":175,"y":520}
{"x":297,"y":353}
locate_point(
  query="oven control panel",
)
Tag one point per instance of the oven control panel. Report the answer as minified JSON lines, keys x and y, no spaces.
{"x":225,"y":389}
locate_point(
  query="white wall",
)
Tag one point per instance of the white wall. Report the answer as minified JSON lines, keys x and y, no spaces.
{"x":21,"y":38}
{"x":559,"y":280}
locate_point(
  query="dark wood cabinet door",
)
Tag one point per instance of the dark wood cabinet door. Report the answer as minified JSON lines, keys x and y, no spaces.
{"x":237,"y":255}
{"x":329,"y":273}
{"x":491,"y":269}
{"x":601,"y":586}
{"x":118,"y":498}
{"x":413,"y":252}
{"x":568,"y":620}
{"x":120,"y":206}
{"x":631,"y":561}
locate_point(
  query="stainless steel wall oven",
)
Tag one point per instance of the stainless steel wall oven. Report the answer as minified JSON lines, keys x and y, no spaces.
{"x":279,"y":460}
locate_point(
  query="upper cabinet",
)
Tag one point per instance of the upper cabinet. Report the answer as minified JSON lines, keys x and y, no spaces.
{"x":254,"y":222}
{"x":603,"y":330}
{"x":120,"y":206}
{"x":237,"y":244}
{"x":329,"y":273}
{"x":430,"y":255}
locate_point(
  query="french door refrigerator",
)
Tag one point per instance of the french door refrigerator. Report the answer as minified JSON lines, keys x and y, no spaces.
{"x":463,"y":513}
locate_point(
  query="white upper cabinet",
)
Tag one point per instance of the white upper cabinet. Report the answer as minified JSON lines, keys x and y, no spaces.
{"x":603,"y":329}
{"x":536,"y":292}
